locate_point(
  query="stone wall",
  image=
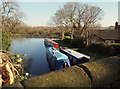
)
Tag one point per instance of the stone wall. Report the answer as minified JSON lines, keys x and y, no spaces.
{"x":101,"y":73}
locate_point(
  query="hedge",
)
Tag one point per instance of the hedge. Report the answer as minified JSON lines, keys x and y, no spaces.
{"x":6,"y":41}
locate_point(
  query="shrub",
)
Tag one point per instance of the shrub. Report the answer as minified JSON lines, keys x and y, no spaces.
{"x":74,"y":43}
{"x":78,"y":43}
{"x":108,"y":50}
{"x":6,"y":41}
{"x":67,"y":40}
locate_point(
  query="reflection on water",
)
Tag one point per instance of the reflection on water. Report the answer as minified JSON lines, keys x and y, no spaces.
{"x":36,"y":54}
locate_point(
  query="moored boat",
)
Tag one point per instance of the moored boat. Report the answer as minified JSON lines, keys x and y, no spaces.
{"x":56,"y":59}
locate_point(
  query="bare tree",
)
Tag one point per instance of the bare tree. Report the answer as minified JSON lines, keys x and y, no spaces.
{"x":11,"y":16}
{"x":76,"y":17}
{"x":88,"y":16}
{"x":64,"y":18}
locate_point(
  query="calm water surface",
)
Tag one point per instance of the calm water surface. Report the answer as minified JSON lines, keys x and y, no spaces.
{"x":36,"y":54}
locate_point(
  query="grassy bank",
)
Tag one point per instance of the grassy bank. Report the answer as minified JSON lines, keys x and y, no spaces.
{"x":27,"y":35}
{"x":93,"y":55}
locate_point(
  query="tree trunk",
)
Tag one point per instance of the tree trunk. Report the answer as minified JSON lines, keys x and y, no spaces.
{"x":87,"y":38}
{"x":1,"y":80}
{"x":62,"y":35}
{"x":7,"y":72}
{"x":72,"y":33}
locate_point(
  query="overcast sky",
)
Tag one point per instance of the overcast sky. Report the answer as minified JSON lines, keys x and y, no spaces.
{"x":39,"y":13}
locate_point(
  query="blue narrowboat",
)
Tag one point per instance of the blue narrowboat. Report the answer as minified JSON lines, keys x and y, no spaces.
{"x":55,"y":58}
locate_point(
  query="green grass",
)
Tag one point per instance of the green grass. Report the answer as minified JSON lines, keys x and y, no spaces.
{"x":93,"y":55}
{"x":105,"y":43}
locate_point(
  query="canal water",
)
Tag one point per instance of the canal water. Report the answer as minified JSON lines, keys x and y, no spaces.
{"x":35,"y":60}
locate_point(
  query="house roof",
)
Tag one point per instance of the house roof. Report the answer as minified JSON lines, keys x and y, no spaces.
{"x":95,"y":37}
{"x":107,"y":34}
